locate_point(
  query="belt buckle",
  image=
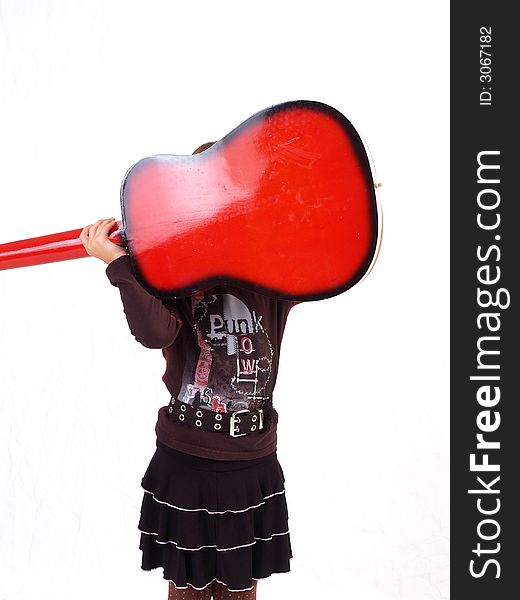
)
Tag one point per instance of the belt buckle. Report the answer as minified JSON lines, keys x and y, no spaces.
{"x":232,"y":423}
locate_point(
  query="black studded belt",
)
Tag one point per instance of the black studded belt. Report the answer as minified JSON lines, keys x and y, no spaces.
{"x":235,"y":423}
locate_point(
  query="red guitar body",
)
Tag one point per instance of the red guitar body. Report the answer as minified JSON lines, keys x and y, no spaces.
{"x":284,"y":204}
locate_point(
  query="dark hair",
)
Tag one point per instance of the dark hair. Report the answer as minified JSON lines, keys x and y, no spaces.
{"x":203,"y":147}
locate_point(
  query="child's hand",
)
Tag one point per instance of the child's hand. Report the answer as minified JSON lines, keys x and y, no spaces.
{"x":96,"y":242}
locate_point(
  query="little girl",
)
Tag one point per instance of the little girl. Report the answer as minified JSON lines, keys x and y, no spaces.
{"x":214,"y":514}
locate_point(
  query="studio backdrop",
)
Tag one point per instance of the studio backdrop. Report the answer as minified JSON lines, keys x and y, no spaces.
{"x":90,"y":88}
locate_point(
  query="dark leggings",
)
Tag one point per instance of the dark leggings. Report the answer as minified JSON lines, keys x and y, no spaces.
{"x":218,"y":590}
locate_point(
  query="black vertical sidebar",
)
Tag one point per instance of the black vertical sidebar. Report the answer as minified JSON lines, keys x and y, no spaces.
{"x":485,"y":331}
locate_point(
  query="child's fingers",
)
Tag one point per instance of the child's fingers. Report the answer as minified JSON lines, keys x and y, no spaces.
{"x":92,"y":232}
{"x":83,"y":236}
{"x":92,"y":236}
{"x":98,"y":236}
{"x":104,"y":227}
{"x":107,"y":227}
{"x":97,"y":226}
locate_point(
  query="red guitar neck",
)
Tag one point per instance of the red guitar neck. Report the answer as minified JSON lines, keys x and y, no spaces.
{"x":54,"y":247}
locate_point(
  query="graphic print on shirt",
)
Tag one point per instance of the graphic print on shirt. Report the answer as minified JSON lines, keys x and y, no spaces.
{"x":234,"y":360}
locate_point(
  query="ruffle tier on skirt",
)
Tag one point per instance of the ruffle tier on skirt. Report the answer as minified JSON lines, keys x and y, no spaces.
{"x":204,"y":520}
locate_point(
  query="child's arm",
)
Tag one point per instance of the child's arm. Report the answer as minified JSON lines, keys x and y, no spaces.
{"x":150,"y":322}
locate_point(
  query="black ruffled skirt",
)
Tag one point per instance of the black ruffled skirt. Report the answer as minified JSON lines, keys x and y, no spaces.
{"x":204,"y":520}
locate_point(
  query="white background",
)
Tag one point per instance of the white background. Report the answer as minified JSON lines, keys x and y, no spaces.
{"x":87,"y":89}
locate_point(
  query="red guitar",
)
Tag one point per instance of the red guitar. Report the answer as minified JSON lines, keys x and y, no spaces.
{"x":284,"y":204}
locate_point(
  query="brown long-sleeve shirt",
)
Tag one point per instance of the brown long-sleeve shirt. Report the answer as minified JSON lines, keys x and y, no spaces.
{"x":221,"y":347}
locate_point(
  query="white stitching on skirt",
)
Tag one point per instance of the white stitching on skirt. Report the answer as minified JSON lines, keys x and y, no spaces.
{"x":212,"y":512}
{"x":214,"y":545}
{"x":222,"y":582}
